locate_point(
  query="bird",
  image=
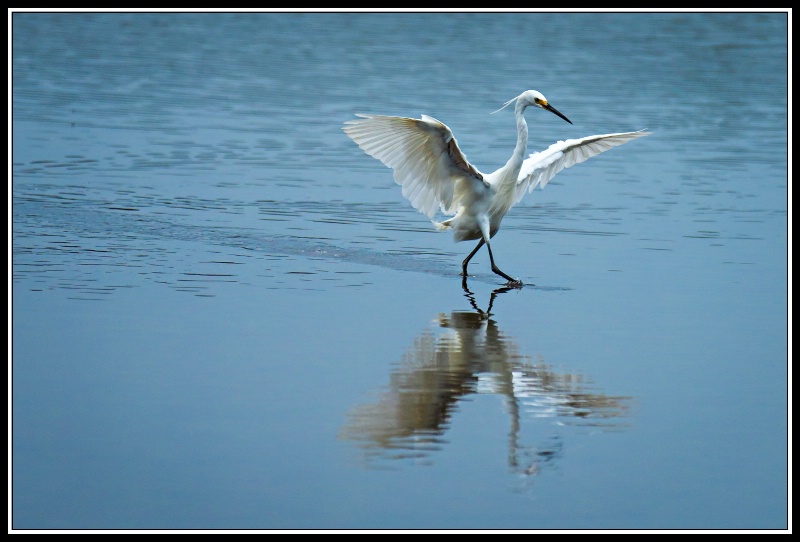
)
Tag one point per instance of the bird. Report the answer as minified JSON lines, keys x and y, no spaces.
{"x":436,"y":176}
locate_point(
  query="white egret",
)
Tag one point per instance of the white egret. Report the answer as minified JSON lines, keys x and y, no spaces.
{"x":436,"y":176}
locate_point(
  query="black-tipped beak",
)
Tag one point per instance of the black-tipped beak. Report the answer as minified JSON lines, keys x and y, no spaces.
{"x":556,"y":111}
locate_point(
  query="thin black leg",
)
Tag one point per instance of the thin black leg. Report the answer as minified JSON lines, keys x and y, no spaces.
{"x":468,"y":258}
{"x":497,"y":269}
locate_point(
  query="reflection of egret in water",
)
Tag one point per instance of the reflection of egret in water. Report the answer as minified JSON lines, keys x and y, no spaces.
{"x":469,"y":354}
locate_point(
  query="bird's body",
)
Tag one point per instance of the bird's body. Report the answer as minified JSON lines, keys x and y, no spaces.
{"x":436,"y":176}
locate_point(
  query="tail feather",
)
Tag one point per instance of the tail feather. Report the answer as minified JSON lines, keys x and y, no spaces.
{"x":441,"y":226}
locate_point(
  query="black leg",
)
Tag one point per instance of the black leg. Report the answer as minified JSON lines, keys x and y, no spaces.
{"x":497,"y":269}
{"x":468,"y":258}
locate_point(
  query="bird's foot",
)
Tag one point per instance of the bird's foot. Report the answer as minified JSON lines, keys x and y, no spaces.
{"x":514,"y":283}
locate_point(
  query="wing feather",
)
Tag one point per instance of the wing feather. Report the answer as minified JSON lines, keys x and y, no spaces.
{"x":540,"y":167}
{"x":424,"y":155}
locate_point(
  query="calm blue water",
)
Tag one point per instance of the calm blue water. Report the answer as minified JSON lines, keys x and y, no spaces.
{"x":225,"y":315}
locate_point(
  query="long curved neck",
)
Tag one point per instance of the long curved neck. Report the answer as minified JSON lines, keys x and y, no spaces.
{"x":515,"y":162}
{"x":504,"y":180}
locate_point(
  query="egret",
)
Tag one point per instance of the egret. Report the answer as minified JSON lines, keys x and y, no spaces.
{"x":435,"y":175}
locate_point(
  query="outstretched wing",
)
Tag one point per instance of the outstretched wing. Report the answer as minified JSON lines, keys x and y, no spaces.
{"x":424,"y":155}
{"x":540,"y":167}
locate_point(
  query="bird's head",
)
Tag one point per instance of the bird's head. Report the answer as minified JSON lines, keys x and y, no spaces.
{"x":536,"y":99}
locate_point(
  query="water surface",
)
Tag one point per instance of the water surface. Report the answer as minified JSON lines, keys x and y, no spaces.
{"x":225,"y":315}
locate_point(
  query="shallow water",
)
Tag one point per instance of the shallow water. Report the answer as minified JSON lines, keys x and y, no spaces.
{"x":225,"y":315}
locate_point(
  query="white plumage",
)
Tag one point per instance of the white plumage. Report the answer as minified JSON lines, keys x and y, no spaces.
{"x":435,"y":175}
